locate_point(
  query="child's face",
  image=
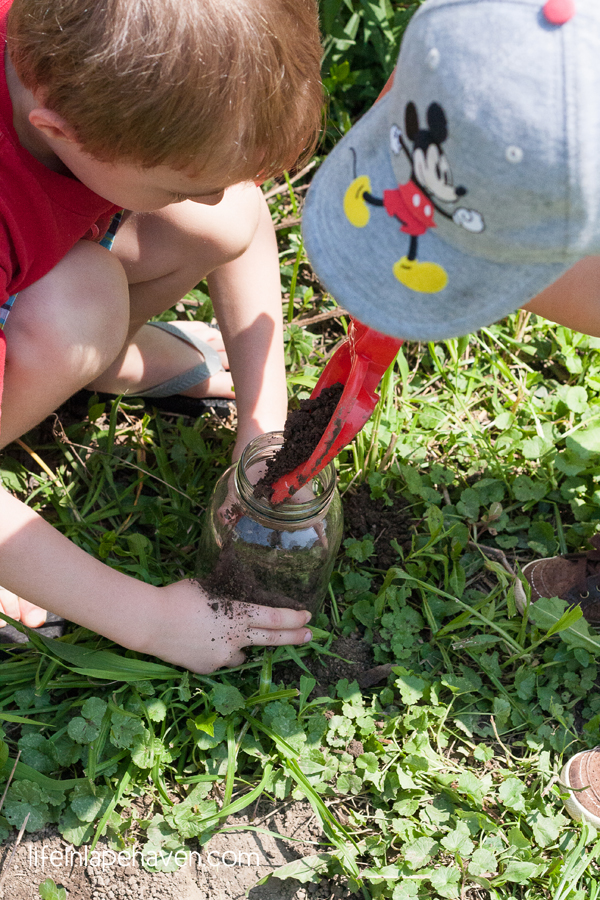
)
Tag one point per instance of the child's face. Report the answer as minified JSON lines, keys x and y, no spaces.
{"x":141,"y":190}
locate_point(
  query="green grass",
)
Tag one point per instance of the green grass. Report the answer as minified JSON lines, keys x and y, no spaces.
{"x":491,"y":442}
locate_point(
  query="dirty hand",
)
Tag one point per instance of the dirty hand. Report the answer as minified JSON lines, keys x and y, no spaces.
{"x":191,"y":628}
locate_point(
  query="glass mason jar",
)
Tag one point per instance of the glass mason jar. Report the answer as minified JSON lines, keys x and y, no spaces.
{"x":271,"y":555}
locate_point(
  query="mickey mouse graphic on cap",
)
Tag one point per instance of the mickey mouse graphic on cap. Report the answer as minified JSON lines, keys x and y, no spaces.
{"x":414,"y":204}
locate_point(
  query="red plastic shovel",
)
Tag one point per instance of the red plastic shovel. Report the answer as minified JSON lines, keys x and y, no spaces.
{"x":359,"y":364}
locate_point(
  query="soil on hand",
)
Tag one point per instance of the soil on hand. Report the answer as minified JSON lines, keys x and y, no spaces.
{"x":366,"y":515}
{"x":303,"y":430}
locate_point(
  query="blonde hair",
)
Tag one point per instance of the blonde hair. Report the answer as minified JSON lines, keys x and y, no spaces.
{"x":229,"y":86}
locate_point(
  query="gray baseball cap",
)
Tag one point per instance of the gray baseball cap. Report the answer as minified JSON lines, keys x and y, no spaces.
{"x":475,"y":182}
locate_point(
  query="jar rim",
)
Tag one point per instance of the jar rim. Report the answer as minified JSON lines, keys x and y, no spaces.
{"x":264,"y":447}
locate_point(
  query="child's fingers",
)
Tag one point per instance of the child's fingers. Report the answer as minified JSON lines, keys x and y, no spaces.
{"x":31,"y":615}
{"x":9,"y":604}
{"x":268,"y":637}
{"x":275,"y":618}
{"x":20,"y":609}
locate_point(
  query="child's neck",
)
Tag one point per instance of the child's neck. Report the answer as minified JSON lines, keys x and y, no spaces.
{"x":30,"y":138}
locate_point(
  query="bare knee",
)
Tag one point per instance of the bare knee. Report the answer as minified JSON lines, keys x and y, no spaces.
{"x":74,"y":320}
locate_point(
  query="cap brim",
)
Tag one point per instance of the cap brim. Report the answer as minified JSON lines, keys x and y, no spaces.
{"x":356,"y":264}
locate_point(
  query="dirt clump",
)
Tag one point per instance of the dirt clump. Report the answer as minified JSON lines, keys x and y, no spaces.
{"x":364,"y":515}
{"x":303,"y":430}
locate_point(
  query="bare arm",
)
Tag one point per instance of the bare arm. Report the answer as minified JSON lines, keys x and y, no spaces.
{"x":246,"y":294}
{"x":176,"y":623}
{"x":573,"y":299}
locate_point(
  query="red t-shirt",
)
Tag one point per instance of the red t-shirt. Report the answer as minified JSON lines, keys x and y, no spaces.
{"x":42,"y":214}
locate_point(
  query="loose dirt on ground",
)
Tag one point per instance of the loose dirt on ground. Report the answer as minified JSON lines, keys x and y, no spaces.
{"x":227,"y":868}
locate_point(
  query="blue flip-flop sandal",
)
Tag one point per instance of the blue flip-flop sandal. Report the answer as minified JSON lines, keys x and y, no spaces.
{"x":166,"y":396}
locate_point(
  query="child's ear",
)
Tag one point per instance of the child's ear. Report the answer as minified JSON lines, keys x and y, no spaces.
{"x":51,"y":125}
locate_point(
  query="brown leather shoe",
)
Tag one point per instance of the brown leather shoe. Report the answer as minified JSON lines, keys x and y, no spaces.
{"x":581,"y":776}
{"x":574,"y":577}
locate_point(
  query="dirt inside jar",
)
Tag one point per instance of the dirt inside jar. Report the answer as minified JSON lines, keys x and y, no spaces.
{"x":257,"y":564}
{"x":234,"y":577}
{"x":303,"y":430}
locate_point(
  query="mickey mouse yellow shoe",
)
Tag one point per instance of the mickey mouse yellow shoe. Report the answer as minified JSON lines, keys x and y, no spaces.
{"x":355,"y":208}
{"x":424,"y":277}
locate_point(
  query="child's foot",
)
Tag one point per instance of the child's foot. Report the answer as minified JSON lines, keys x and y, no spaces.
{"x":21,"y":610}
{"x":581,"y":775}
{"x":196,"y":349}
{"x":574,"y":577}
{"x":171,"y":358}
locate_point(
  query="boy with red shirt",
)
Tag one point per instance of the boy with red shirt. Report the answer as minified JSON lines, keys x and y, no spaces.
{"x":124,"y":105}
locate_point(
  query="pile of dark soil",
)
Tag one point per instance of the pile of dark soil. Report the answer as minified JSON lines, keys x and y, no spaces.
{"x":356,"y":659}
{"x":303,"y":430}
{"x":366,"y":515}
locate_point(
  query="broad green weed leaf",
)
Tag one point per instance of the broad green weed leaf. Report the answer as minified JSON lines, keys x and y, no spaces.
{"x":204,"y":740}
{"x":206,"y":722}
{"x":470,"y":501}
{"x":411,"y":687}
{"x":547,"y":613}
{"x":407,"y":890}
{"x":125,"y":729}
{"x":156,"y":709}
{"x":85,"y":728}
{"x":307,"y":869}
{"x":349,"y":783}
{"x":483,"y":862}
{"x":359,"y":550}
{"x":546,"y":829}
{"x":473,"y":786}
{"x":145,"y":749}
{"x":48,"y":890}
{"x":74,"y":830}
{"x":536,"y":447}
{"x":88,"y":804}
{"x":26,"y":798}
{"x":520,"y":872}
{"x":36,"y":752}
{"x":542,"y":539}
{"x":524,"y":489}
{"x":226,"y":699}
{"x":446,"y":881}
{"x":576,"y":399}
{"x":585,"y":442}
{"x":459,"y":841}
{"x":419,"y":852}
{"x":510,"y":794}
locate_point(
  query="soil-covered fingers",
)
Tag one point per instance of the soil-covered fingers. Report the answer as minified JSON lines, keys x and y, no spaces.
{"x":21,"y":610}
{"x":274,"y":627}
